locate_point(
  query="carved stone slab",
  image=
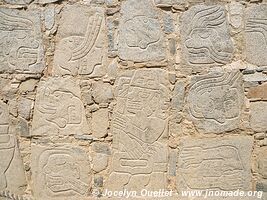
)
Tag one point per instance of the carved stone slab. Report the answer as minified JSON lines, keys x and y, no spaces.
{"x":139,"y":127}
{"x":21,"y":48}
{"x":25,"y":2}
{"x":140,"y":34}
{"x":256,"y":34}
{"x":58,"y":108}
{"x":4,"y":118}
{"x":205,"y":36}
{"x":82,"y":44}
{"x":258,"y":118}
{"x":60,"y":172}
{"x":220,"y":164}
{"x":215,"y":101}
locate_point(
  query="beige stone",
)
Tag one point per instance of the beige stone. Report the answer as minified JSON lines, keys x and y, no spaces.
{"x":256,"y":34}
{"x":81,"y":49}
{"x":140,"y":35}
{"x":100,"y":122}
{"x":4,"y":118}
{"x":215,"y":101}
{"x":139,"y":130}
{"x":61,"y":172}
{"x":258,"y":116}
{"x":205,"y":36}
{"x":219,"y":164}
{"x":259,"y":92}
{"x":21,"y":47}
{"x":58,"y":108}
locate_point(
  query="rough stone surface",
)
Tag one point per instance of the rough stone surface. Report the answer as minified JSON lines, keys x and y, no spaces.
{"x":222,"y":164}
{"x":58,"y":108}
{"x":140,"y":34}
{"x":21,"y":47}
{"x":205,"y":36}
{"x":215,"y":101}
{"x":256,"y":34}
{"x":100,"y":123}
{"x":259,"y":116}
{"x":81,"y":49}
{"x":60,"y":172}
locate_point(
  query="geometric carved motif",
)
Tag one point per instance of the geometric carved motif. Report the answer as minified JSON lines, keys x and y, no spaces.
{"x":215,"y":101}
{"x":219,"y":164}
{"x":21,"y":49}
{"x":139,"y":128}
{"x":81,"y":48}
{"x":205,"y":36}
{"x":58,"y":108}
{"x":60,"y":172}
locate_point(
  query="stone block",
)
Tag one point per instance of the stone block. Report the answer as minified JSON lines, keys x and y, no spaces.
{"x":258,"y":120}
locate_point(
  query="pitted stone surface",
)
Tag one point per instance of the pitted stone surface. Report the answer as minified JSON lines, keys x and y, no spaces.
{"x":60,"y":172}
{"x":140,"y":35}
{"x":215,"y":101}
{"x":58,"y":108}
{"x":205,"y":36}
{"x":256,"y":34}
{"x":21,"y":46}
{"x":81,"y":48}
{"x":220,"y":164}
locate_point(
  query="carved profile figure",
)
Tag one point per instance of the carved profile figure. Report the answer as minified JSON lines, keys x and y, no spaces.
{"x":59,"y":108}
{"x":139,"y":123}
{"x":215,"y":101}
{"x":206,"y":37}
{"x":80,"y":52}
{"x":20,"y":48}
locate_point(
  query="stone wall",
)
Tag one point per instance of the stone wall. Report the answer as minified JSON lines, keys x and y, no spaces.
{"x":132,"y":94}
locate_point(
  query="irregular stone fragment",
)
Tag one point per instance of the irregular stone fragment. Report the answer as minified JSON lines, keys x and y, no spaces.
{"x":140,"y":35}
{"x":28,"y":85}
{"x":21,"y":47}
{"x":215,"y":101}
{"x":100,"y":122}
{"x":12,"y":176}
{"x":81,"y":48}
{"x":24,"y":107}
{"x":219,"y":164}
{"x":262,"y":163}
{"x":58,"y":108}
{"x":236,"y":13}
{"x":139,"y":128}
{"x":256,"y":34}
{"x":258,"y":118}
{"x":23,"y":127}
{"x":100,"y":162}
{"x":205,"y":36}
{"x":60,"y":172}
{"x":4,"y":118}
{"x":172,"y":162}
{"x":102,"y":92}
{"x":101,"y":148}
{"x":259,"y":92}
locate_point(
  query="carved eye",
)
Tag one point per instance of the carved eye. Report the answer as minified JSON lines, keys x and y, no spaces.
{"x":204,"y":34}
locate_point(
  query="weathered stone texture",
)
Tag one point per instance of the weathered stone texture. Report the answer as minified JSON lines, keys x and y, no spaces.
{"x":220,"y":164}
{"x":21,"y":46}
{"x":60,"y":172}
{"x":259,"y":116}
{"x":256,"y":34}
{"x":140,"y":34}
{"x":215,"y":101}
{"x":81,"y":47}
{"x":58,"y":108}
{"x":205,"y":36}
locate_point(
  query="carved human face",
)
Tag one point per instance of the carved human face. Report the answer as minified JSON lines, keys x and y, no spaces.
{"x":219,"y":104}
{"x":142,"y":31}
{"x":205,"y":46}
